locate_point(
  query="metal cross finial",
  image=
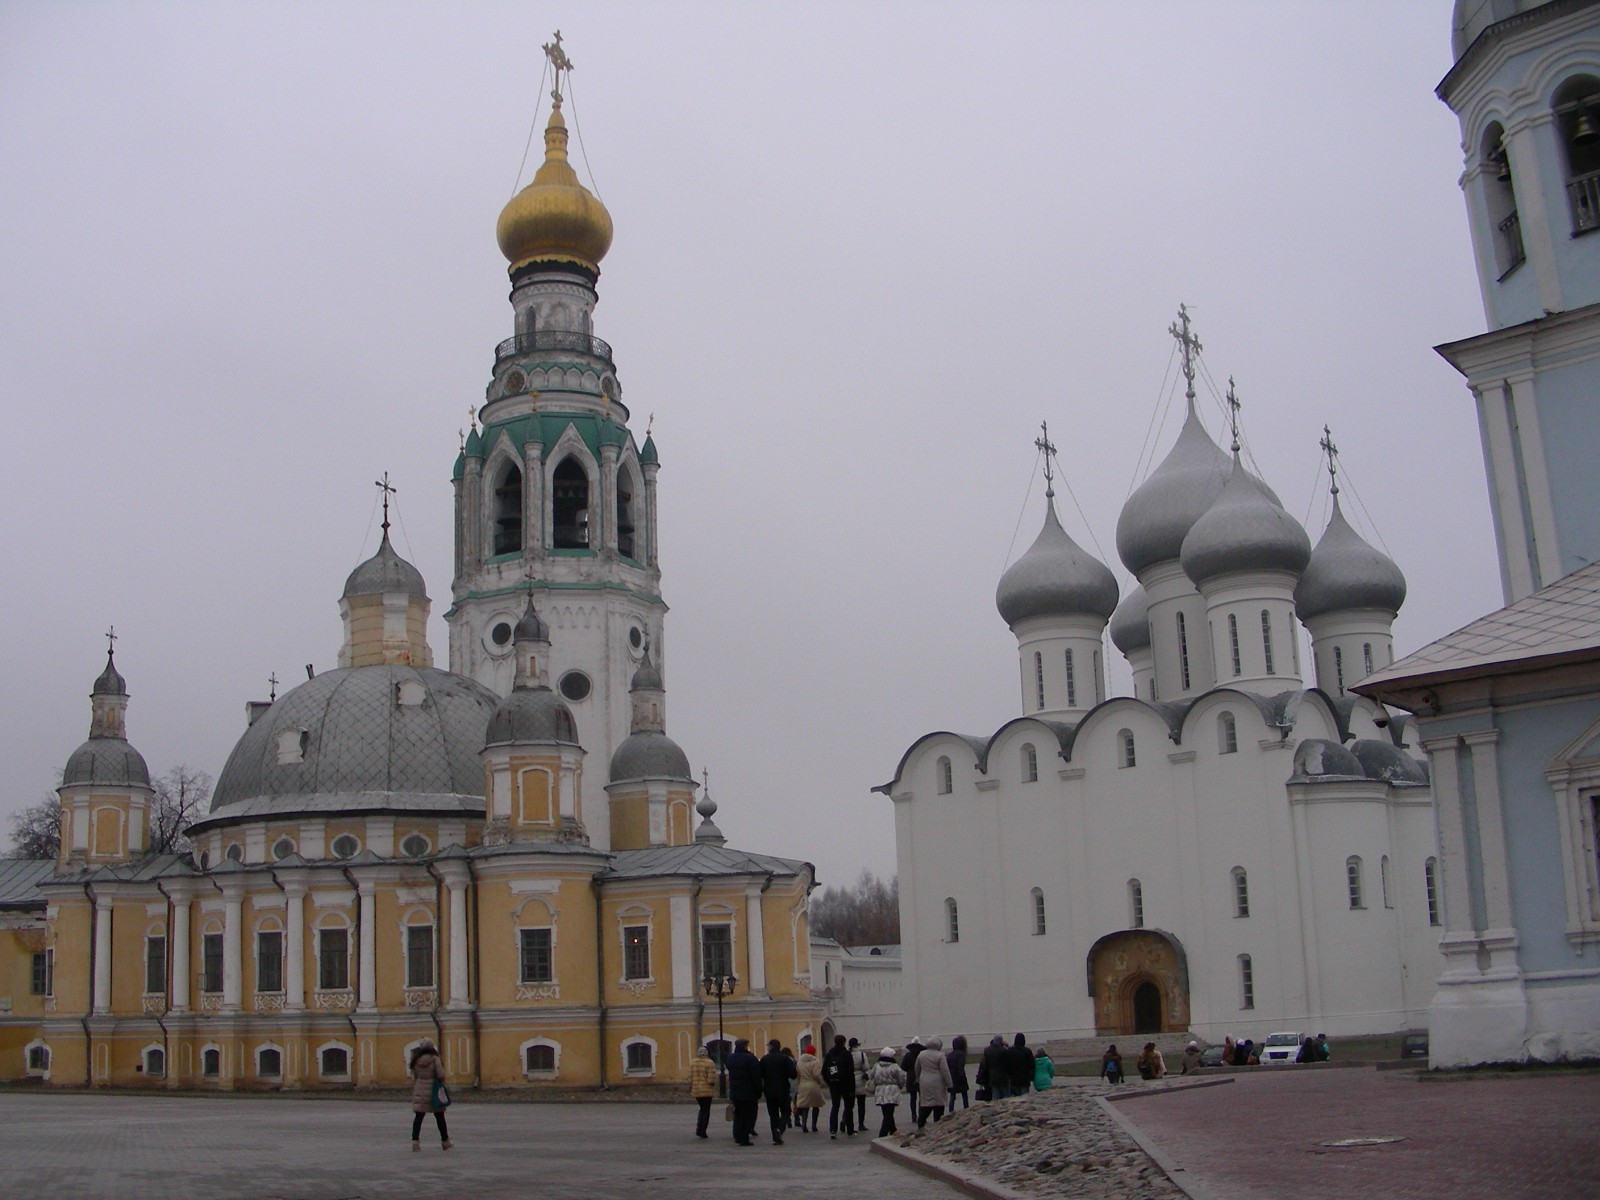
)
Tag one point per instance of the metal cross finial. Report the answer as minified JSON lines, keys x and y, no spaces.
{"x":1332,"y":452}
{"x":1233,"y":413}
{"x":272,"y":681}
{"x":1048,"y":449}
{"x":649,"y":425}
{"x":111,"y":641}
{"x":705,"y":780}
{"x":472,"y":417}
{"x":388,"y":489}
{"x":1190,"y":346}
{"x":559,"y":60}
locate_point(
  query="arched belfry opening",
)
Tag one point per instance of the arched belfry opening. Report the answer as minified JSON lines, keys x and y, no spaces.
{"x":1139,"y":982}
{"x":1500,"y":201}
{"x":1577,"y":112}
{"x":508,"y":510}
{"x":569,"y":505}
{"x":626,"y":542}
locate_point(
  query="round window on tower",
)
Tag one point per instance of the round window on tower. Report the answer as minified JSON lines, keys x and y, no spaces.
{"x":636,"y":637}
{"x":345,"y":846}
{"x":497,"y":638}
{"x":575,"y":685}
{"x":414,"y":846}
{"x":235,"y":852}
{"x":282,"y":848}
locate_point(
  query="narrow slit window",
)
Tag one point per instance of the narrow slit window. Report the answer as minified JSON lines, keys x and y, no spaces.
{"x":952,"y":920}
{"x":1030,"y":763}
{"x":1072,"y":683}
{"x":1038,"y":912}
{"x":1247,"y":982}
{"x":1266,"y":640}
{"x":508,"y":510}
{"x":569,"y":505}
{"x":1352,"y":875}
{"x":1233,"y":641}
{"x":1430,"y":876}
{"x":1136,"y":903}
{"x":1038,"y":678}
{"x":1183,"y":651}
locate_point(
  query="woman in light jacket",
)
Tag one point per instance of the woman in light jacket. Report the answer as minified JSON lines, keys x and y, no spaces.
{"x":702,"y":1087}
{"x":425,"y":1070}
{"x":808,"y":1095}
{"x":888,"y":1080}
{"x":933,"y":1082}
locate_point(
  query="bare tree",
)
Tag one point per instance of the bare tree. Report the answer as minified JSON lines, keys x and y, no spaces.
{"x":867,"y":914}
{"x":180,"y":798}
{"x":36,"y":830}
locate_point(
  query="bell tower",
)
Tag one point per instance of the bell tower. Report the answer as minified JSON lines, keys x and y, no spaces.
{"x":554,"y":495}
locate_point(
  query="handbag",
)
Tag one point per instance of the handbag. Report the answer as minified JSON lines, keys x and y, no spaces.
{"x":441,"y":1095}
{"x":727,"y":1113}
{"x":983,"y":1093}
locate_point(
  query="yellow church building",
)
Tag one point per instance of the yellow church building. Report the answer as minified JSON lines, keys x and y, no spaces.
{"x":506,"y":857}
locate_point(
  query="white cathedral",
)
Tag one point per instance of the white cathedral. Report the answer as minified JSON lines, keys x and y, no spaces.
{"x":1227,"y":850}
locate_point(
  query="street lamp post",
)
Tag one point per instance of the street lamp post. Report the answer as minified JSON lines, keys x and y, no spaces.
{"x":720,"y":986}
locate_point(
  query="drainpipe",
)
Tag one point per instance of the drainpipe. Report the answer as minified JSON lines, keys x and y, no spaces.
{"x":355,"y":1034}
{"x":699,"y":992}
{"x":166,"y":1037}
{"x":600,"y":975}
{"x":438,"y":950}
{"x":88,"y":1038}
{"x":473,"y":983}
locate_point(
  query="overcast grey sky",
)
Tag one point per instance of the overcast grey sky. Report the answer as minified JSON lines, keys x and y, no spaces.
{"x":861,"y":251}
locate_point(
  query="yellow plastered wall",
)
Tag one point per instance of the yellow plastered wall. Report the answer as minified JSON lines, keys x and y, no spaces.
{"x":502,"y":912}
{"x":17,"y":948}
{"x":578,"y":1063}
{"x":417,"y":633}
{"x":130,"y":924}
{"x":366,"y":630}
{"x":108,"y":823}
{"x":636,"y":908}
{"x":680,"y":817}
{"x":630,"y":821}
{"x":787,"y":941}
{"x":534,"y":799}
{"x":72,"y":940}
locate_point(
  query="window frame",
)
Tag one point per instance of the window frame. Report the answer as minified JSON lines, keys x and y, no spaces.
{"x":420,"y":956}
{"x":1136,"y":904}
{"x":1039,"y":924}
{"x":1030,"y":763}
{"x":269,"y":966}
{"x":944,"y":776}
{"x":1227,"y":734}
{"x":1430,"y":880}
{"x":529,"y":950}
{"x":952,"y":920}
{"x":719,"y":948}
{"x":327,"y":959}
{"x":1072,"y":680}
{"x":1129,"y":757}
{"x":1266,"y":641}
{"x":42,"y":981}
{"x":1241,"y":893}
{"x":1247,"y":982}
{"x":636,"y":953}
{"x":212,"y":968}
{"x":1353,"y":882}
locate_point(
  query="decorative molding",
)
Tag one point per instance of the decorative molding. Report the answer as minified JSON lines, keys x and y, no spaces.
{"x":342,"y":898}
{"x":153,"y":1006}
{"x":422,"y":997}
{"x":638,"y":986}
{"x":269,"y":1001}
{"x":540,"y":991}
{"x":50,"y":1004}
{"x":335,"y":1000}
{"x":523,"y":887}
{"x":211,"y":1002}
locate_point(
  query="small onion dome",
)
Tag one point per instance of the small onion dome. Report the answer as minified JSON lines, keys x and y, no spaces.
{"x":1056,"y":577}
{"x":1386,"y":761}
{"x":1345,"y":573}
{"x":1160,"y":513}
{"x":385,"y":572}
{"x":1130,"y":624}
{"x":648,"y":455}
{"x":474,"y":445}
{"x":708,"y":831}
{"x":648,"y":677}
{"x":649,"y":755}
{"x":1245,"y":530}
{"x":1317,"y":758}
{"x":111,"y":682}
{"x":555,"y":219}
{"x":530,"y":626}
{"x":111,"y":761}
{"x":531,"y":715}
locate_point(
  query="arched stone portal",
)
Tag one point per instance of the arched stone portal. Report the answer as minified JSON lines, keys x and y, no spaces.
{"x":1139,"y":981}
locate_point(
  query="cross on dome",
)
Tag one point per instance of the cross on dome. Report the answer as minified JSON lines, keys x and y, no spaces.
{"x":1048,"y":449}
{"x":558,"y":60}
{"x":272,"y":682}
{"x":1332,"y":451}
{"x":1191,"y":348}
{"x":1233,"y":413}
{"x":111,"y":641}
{"x":388,"y":490}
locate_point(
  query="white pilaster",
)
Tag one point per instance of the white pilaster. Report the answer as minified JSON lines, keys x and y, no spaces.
{"x":102,"y":955}
{"x":683,"y":980}
{"x":180,"y":952}
{"x":294,"y":926}
{"x":368,"y":999}
{"x":232,"y":946}
{"x":456,"y":880}
{"x":756,"y":940}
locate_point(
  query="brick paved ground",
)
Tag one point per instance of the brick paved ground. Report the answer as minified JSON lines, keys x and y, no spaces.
{"x":102,"y":1147}
{"x":1501,"y":1137}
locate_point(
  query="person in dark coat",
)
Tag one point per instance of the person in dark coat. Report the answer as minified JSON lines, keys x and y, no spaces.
{"x":992,"y":1073}
{"x":839,"y":1073}
{"x":744,"y":1090}
{"x":908,"y":1064}
{"x":776,"y":1071}
{"x":1019,"y":1066}
{"x":956,"y":1056}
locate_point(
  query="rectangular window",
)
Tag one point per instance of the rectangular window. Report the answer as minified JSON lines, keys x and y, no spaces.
{"x":640,"y":1060}
{"x":1233,"y":640}
{"x":211,"y":963}
{"x":269,"y":961}
{"x":1183,"y":650}
{"x":333,"y":960}
{"x":419,"y":956}
{"x":155,"y":965}
{"x":1266,"y":640}
{"x":1136,"y":896}
{"x":1038,"y":912}
{"x":716,"y":949}
{"x":1038,"y":677}
{"x":270,"y":1064}
{"x":335,"y":1062}
{"x":1247,"y":983}
{"x":1352,"y":873}
{"x":536,"y":956}
{"x":44,"y":973}
{"x":1241,"y":894}
{"x":636,"y":952}
{"x":1072,"y":683}
{"x":1431,"y":878}
{"x":952,"y":921}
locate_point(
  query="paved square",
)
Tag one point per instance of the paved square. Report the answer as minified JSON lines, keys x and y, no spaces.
{"x":1510,"y":1136}
{"x":121,"y":1147}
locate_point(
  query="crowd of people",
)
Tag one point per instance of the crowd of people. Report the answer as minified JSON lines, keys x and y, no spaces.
{"x":929,"y":1077}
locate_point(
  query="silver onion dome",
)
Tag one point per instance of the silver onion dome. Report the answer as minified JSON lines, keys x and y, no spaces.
{"x":385,"y":572}
{"x":1130,"y":624}
{"x":1245,"y":530}
{"x":1345,"y":572}
{"x":1160,"y":513}
{"x":649,"y":755}
{"x":1056,"y":577}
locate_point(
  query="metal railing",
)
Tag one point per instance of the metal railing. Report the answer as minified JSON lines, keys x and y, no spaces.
{"x":1584,"y":195}
{"x":1512,"y":253}
{"x":552,"y":339}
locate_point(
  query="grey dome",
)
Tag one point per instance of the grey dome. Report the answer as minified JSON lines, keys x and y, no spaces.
{"x":1384,"y":760}
{"x":106,"y":760}
{"x":110,"y":682}
{"x":1056,"y":577}
{"x":1317,"y":757}
{"x":1345,"y":572}
{"x":533,"y":714}
{"x":647,"y":755}
{"x":530,"y":626}
{"x":361,"y":732}
{"x":647,"y":678}
{"x":1245,"y":530}
{"x":1159,"y":515}
{"x":1130,"y":624}
{"x":385,"y":572}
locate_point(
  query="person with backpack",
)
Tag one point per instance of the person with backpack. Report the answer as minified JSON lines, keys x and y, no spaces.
{"x":839,"y":1073}
{"x":1111,"y":1065}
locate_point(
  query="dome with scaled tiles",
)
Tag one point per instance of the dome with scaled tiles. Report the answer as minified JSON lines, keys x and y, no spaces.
{"x":1056,"y":577}
{"x":1345,"y":573}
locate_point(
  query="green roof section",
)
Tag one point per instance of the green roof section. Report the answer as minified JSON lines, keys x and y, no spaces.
{"x":474,"y":446}
{"x":460,"y":469}
{"x":648,"y":454}
{"x":546,"y":428}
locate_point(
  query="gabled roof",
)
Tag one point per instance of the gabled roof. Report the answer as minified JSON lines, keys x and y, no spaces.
{"x":19,"y":879}
{"x":703,"y":858}
{"x":1560,"y":622}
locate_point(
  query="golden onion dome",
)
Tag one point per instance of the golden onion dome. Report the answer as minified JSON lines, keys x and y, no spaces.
{"x":555,"y":218}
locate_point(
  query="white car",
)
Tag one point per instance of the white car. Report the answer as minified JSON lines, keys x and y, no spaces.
{"x":1280,"y":1048}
